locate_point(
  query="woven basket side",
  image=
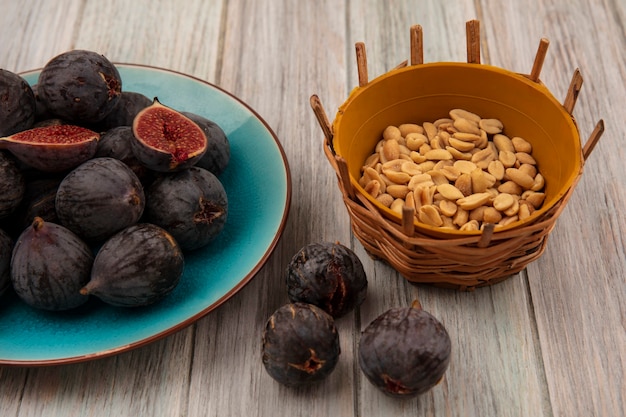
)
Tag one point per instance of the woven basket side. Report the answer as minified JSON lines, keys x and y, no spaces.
{"x":460,"y":263}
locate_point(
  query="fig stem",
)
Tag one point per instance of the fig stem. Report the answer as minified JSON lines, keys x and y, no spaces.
{"x":86,"y":289}
{"x":416,"y":304}
{"x":37,"y":224}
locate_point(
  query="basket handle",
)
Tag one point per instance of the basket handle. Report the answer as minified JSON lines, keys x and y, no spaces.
{"x":539,"y":59}
{"x":340,"y":164}
{"x":322,"y":120}
{"x":593,"y":139}
{"x":417,"y":45}
{"x":570,"y":101}
{"x":573,"y":91}
{"x":361,"y":63}
{"x":472,"y":31}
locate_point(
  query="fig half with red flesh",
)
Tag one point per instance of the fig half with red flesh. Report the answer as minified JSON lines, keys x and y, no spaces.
{"x":166,"y":140}
{"x":53,"y":148}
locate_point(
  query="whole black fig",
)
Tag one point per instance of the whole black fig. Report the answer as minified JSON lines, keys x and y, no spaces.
{"x":49,"y":266}
{"x":80,"y":86}
{"x":404,"y":352}
{"x":115,"y":143}
{"x":192,"y":205}
{"x":17,"y":104}
{"x":136,"y":267}
{"x":328,"y":275}
{"x":99,"y":198}
{"x":217,"y":155}
{"x":6,"y":248}
{"x":39,"y":201}
{"x":300,"y":344}
{"x":124,"y":112}
{"x":12,"y":185}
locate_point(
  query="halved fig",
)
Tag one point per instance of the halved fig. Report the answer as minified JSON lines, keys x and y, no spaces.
{"x":166,"y":140}
{"x":52,"y":148}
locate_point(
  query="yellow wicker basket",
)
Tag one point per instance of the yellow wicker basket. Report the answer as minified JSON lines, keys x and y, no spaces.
{"x":416,"y":92}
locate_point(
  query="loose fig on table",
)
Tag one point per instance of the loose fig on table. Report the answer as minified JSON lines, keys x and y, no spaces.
{"x":328,"y":275}
{"x":405,"y":351}
{"x":300,"y":345}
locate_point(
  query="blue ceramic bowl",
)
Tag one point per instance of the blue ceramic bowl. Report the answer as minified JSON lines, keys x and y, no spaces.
{"x":258,"y":184}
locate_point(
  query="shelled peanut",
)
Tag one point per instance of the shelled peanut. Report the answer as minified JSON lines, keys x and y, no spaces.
{"x":459,"y":172}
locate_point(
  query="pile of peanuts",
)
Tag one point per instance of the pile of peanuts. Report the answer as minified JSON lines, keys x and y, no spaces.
{"x":458,"y":172}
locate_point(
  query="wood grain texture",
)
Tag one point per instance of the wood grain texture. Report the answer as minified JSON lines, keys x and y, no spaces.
{"x":577,"y":288}
{"x":549,"y":341}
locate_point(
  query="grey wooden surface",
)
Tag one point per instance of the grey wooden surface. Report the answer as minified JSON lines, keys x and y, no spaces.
{"x":549,"y":341}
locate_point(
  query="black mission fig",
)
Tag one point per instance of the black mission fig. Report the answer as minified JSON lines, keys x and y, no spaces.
{"x":6,"y":248}
{"x":53,"y":147}
{"x":217,"y":155}
{"x":328,"y":275}
{"x":124,"y":112}
{"x":49,"y":266}
{"x":136,"y":267}
{"x":405,"y":351}
{"x":300,"y":345}
{"x":39,"y":201}
{"x":79,"y":86}
{"x":115,"y":143}
{"x":17,"y":104}
{"x":99,"y":198}
{"x":12,"y":185}
{"x":166,"y":140}
{"x":191,"y":204}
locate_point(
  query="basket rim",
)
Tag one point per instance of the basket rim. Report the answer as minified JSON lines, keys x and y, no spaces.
{"x":518,"y":77}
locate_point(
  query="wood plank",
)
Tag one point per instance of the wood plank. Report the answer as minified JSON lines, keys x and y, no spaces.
{"x":491,"y":328}
{"x":578,"y":299}
{"x":152,"y":380}
{"x":32,"y":33}
{"x":13,"y":382}
{"x":146,"y":381}
{"x":276,"y":55}
{"x":159,"y":33}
